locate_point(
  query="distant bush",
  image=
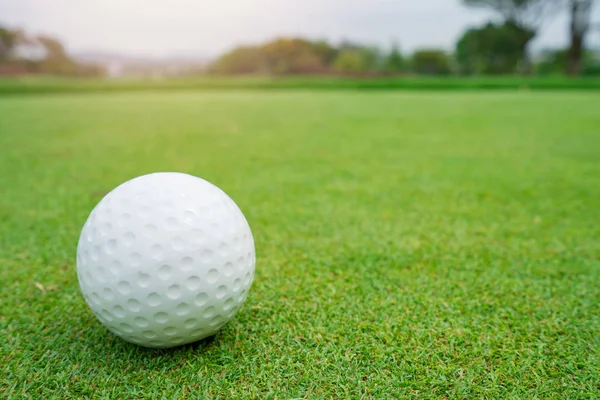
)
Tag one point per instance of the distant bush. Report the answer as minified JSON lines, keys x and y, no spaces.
{"x":591,"y":70}
{"x":280,"y":57}
{"x":356,"y":60}
{"x":555,"y":62}
{"x":431,"y":62}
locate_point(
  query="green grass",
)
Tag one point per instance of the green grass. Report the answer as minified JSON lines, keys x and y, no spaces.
{"x":37,"y":85}
{"x":412,"y":245}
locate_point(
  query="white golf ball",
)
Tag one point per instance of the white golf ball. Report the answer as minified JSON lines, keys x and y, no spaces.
{"x":165,"y":259}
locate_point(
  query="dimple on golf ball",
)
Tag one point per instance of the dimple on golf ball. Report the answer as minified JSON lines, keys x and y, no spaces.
{"x":165,"y":259}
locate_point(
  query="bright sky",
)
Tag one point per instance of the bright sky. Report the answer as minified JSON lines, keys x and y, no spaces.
{"x":208,"y":27}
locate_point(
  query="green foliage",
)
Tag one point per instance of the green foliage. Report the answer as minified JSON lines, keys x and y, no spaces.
{"x":290,"y":56}
{"x":324,"y":51}
{"x":431,"y":62}
{"x":491,"y":49}
{"x":554,"y":62}
{"x":525,"y":18}
{"x":56,"y":62}
{"x":350,"y":61}
{"x":7,"y":41}
{"x":557,"y":62}
{"x":242,"y":60}
{"x":409,"y":245}
{"x":279,"y":57}
{"x":356,"y":60}
{"x":395,"y":61}
{"x":298,"y":56}
{"x":591,"y":70}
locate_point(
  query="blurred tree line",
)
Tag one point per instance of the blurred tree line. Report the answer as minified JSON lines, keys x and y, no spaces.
{"x":21,"y":53}
{"x":286,"y":56}
{"x":497,"y":47}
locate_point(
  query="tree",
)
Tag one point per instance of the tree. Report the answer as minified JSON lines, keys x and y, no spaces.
{"x":356,"y":60}
{"x":23,"y":54}
{"x":8,"y":40}
{"x":490,"y":49}
{"x":557,"y":62}
{"x":241,"y":60}
{"x":57,"y":61}
{"x":293,"y":56}
{"x":531,"y":13}
{"x":54,"y":49}
{"x":326,"y":52}
{"x":431,"y":62}
{"x":395,"y":61}
{"x":580,"y":11}
{"x":279,"y":57}
{"x":525,"y":17}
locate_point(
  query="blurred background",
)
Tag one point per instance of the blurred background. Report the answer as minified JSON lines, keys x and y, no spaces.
{"x":151,"y":39}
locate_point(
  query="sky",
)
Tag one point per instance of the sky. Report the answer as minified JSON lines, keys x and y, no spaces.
{"x":206,"y":28}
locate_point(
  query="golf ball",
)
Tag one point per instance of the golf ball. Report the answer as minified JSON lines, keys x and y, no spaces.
{"x":165,"y":259}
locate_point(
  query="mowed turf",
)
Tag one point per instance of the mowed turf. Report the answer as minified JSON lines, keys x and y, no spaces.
{"x":416,"y":245}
